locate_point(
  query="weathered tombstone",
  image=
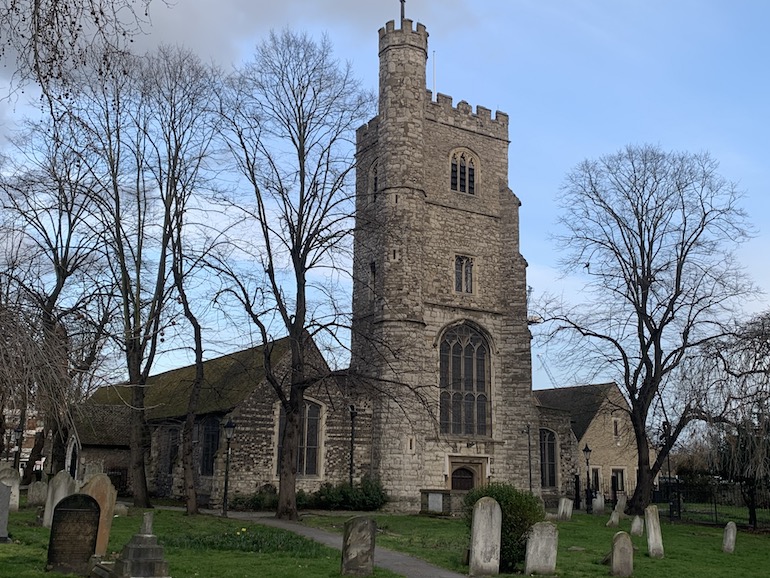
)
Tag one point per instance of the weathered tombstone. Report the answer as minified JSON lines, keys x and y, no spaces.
{"x":654,"y":536}
{"x":358,"y":547}
{"x":542,"y":543}
{"x":620,"y":505}
{"x":565,"y":509}
{"x":142,"y":556}
{"x":5,"y":506}
{"x":61,"y":486}
{"x":37,"y":493}
{"x":622,"y":557}
{"x":486,"y":528}
{"x":100,"y":488}
{"x":73,"y":534}
{"x":637,"y":526}
{"x":598,"y":504}
{"x":12,"y":479}
{"x":728,"y":540}
{"x":614,"y":520}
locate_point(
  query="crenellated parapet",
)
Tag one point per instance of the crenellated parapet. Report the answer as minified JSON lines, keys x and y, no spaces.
{"x":391,"y":36}
{"x":462,"y":116}
{"x":366,"y":135}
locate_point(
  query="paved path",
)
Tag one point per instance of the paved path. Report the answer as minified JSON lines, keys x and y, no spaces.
{"x":403,"y":564}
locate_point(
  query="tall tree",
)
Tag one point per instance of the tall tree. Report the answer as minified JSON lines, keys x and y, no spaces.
{"x":653,"y":236}
{"x":289,"y":118}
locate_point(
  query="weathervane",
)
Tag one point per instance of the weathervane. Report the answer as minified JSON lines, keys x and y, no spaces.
{"x":403,"y":2}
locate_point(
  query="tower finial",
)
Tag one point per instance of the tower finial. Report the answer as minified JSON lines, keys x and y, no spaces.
{"x":403,"y":2}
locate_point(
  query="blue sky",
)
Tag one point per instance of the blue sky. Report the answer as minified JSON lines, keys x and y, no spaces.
{"x":579,"y":79}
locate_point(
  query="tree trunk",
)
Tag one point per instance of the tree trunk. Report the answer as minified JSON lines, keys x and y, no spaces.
{"x":645,"y":476}
{"x":287,"y":495}
{"x":37,"y":453}
{"x":137,"y":437}
{"x":190,"y":493}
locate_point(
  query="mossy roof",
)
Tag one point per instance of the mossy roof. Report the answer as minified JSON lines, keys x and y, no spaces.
{"x":583,"y":402}
{"x":228,"y":380}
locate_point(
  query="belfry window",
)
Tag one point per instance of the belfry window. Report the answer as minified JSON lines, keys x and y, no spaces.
{"x":464,"y":380}
{"x":463,"y":173}
{"x":463,"y":274}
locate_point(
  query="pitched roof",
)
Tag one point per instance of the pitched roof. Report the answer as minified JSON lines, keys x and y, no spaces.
{"x":228,"y":380}
{"x":103,"y":425}
{"x":581,"y":401}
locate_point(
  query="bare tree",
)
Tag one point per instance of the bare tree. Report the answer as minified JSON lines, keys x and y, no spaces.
{"x":289,"y":117}
{"x":653,"y":235}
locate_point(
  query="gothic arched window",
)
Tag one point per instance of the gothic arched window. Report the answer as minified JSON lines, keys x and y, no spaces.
{"x":464,"y":380}
{"x":209,"y":437}
{"x":463,"y":172}
{"x":547,"y":458}
{"x":308,"y":452}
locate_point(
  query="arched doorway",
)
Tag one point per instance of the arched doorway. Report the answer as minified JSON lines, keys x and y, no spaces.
{"x":463,"y":479}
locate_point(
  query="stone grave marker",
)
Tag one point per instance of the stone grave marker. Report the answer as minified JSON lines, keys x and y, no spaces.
{"x":37,"y":493}
{"x":61,"y":486}
{"x":614,"y":520}
{"x":358,"y":547}
{"x":486,"y":528}
{"x":620,"y":505}
{"x":12,"y":479}
{"x":654,"y":536}
{"x":565,"y":509}
{"x":542,"y":543}
{"x":622,"y":557}
{"x":728,"y":540}
{"x":142,"y":556}
{"x":637,"y":526}
{"x":5,"y":506}
{"x":100,"y":488}
{"x":598,"y":505}
{"x":73,"y":534}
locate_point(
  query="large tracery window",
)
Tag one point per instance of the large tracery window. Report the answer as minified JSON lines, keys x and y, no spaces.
{"x":463,"y":173}
{"x":309,"y":441}
{"x":464,"y":379}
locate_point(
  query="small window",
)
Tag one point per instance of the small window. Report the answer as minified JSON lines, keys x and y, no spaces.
{"x":372,"y":280}
{"x":547,"y":458}
{"x":375,"y":184}
{"x":462,"y":176}
{"x":463,"y":274}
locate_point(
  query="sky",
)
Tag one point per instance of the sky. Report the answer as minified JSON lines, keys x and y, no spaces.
{"x":578,"y":79}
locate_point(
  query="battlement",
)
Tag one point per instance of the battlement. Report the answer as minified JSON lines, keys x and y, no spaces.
{"x":391,"y":36}
{"x":367,"y":133}
{"x":441,"y":110}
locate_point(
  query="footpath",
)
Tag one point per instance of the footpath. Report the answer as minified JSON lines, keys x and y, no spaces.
{"x":403,"y":564}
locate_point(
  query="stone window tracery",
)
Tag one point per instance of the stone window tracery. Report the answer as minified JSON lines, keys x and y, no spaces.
{"x":462,"y":177}
{"x":464,"y":380}
{"x":547,"y":458}
{"x":209,"y":445}
{"x":308,"y":452}
{"x":463,"y":274}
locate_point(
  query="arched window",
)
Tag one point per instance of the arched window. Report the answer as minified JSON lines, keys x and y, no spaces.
{"x":547,"y":458}
{"x":374,"y":183}
{"x":463,"y":172}
{"x":309,"y":442}
{"x":464,"y":380}
{"x":209,"y":445}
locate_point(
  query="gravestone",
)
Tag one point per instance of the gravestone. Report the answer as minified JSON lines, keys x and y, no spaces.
{"x":598,"y":505}
{"x":12,"y":479}
{"x":37,"y":493}
{"x":100,"y":488}
{"x":61,"y":486}
{"x":728,"y":540}
{"x":622,"y":557}
{"x":565,"y":509}
{"x":614,"y":520}
{"x":486,"y":528}
{"x":654,"y":536}
{"x":73,"y":534}
{"x":358,"y":547}
{"x":620,"y":505}
{"x":5,"y":506}
{"x":637,"y":526}
{"x":142,"y":556}
{"x":542,"y":543}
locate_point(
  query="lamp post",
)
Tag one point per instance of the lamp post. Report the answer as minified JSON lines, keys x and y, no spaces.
{"x":229,"y":430}
{"x":353,"y":414}
{"x":589,"y":495}
{"x":18,"y":435}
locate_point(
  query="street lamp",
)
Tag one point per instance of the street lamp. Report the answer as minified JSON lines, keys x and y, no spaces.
{"x":353,"y":414}
{"x":229,"y":431}
{"x":18,"y":435}
{"x":589,"y":496}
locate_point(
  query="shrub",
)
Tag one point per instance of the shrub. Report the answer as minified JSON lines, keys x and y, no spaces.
{"x":266,"y":498}
{"x":367,"y":496}
{"x":521,"y":510}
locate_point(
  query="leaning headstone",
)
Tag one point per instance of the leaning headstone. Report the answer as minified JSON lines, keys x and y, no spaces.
{"x":620,"y":505}
{"x":654,"y":536}
{"x":12,"y":479}
{"x":61,"y":486}
{"x":637,"y":526}
{"x":542,"y":543}
{"x":614,"y":520}
{"x":598,"y":505}
{"x":358,"y":547}
{"x":142,"y":556}
{"x":565,"y":509}
{"x":5,"y":506}
{"x":37,"y":493}
{"x":486,"y":528}
{"x":622,"y":557}
{"x":73,"y":534}
{"x":100,"y":488}
{"x":728,"y":540}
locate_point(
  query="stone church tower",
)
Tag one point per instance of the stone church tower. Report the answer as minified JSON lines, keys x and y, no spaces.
{"x":439,"y":294}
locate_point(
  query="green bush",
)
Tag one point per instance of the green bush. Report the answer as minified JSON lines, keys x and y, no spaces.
{"x":521,"y":510}
{"x":367,"y":496}
{"x":264,"y":499}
